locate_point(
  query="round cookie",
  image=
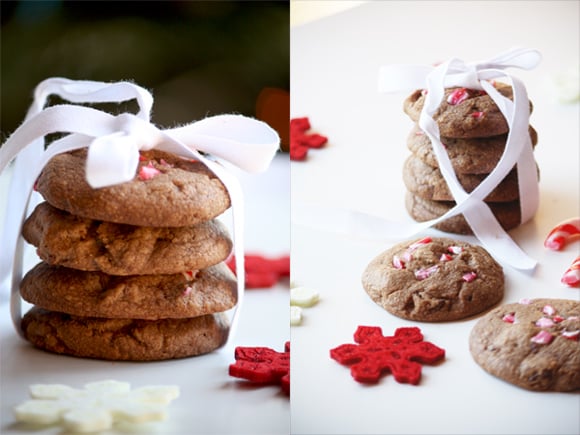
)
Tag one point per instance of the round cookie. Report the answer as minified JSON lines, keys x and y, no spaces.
{"x":467,"y":156}
{"x":427,"y":182}
{"x":434,"y":280}
{"x":151,"y":297}
{"x":508,"y":214}
{"x":533,"y":344}
{"x":182,"y":193}
{"x":124,"y":339}
{"x":464,"y":113}
{"x":118,"y":249}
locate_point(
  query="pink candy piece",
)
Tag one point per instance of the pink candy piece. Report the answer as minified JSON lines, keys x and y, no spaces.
{"x":542,"y":337}
{"x":572,"y":275}
{"x":548,"y":310}
{"x":563,"y":233}
{"x":558,"y":319}
{"x":445,"y":257}
{"x":509,"y":318}
{"x":398,"y":263}
{"x":421,"y":274}
{"x":544,"y":322}
{"x":148,"y":172}
{"x":187,"y":291}
{"x":477,"y":115}
{"x":469,"y":276}
{"x":524,"y":301}
{"x":458,"y":96}
{"x":571,"y":335}
{"x":455,"y":249}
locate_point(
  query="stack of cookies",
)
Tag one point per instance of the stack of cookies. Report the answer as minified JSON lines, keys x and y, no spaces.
{"x":133,"y":271}
{"x":474,"y":133}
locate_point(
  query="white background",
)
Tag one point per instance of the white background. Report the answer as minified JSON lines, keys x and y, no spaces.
{"x":334,"y":67}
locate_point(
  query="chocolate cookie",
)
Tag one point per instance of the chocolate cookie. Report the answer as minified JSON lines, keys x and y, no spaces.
{"x":532,"y":344}
{"x":434,"y":280}
{"x":468,"y":156}
{"x":169,"y":192}
{"x":427,"y":182}
{"x":508,"y":214}
{"x":152,"y":297}
{"x":464,"y":113}
{"x":124,"y":339}
{"x":118,"y":249}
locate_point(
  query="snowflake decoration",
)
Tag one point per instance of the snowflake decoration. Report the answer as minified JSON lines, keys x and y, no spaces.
{"x":300,"y":141}
{"x":98,"y":406}
{"x":261,"y":271}
{"x":263,"y":365}
{"x":401,"y":354}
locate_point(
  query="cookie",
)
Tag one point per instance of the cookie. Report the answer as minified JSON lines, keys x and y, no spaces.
{"x":533,"y":344}
{"x":118,"y":249}
{"x":176,"y":193}
{"x":124,"y":339}
{"x":467,"y":156}
{"x":434,"y":280}
{"x":508,"y":214}
{"x":464,"y":113}
{"x":152,"y":297}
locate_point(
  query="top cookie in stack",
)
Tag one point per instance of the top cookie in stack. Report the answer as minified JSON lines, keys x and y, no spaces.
{"x":474,"y":133}
{"x":133,"y":271}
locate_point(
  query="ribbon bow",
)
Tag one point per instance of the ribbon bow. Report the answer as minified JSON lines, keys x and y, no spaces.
{"x":113,"y":144}
{"x":518,"y":150}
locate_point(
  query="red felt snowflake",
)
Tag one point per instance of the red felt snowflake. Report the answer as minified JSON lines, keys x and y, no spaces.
{"x":263,"y":365}
{"x":300,"y":141}
{"x":401,"y":354}
{"x":262,"y":272}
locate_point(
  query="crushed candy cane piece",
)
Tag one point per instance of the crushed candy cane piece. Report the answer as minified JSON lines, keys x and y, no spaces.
{"x":509,"y":318}
{"x":571,"y":335}
{"x":97,"y":407}
{"x":478,"y":115}
{"x":542,"y":337}
{"x":398,"y":263}
{"x":374,"y":354}
{"x":445,"y":257}
{"x":469,"y":276}
{"x":148,"y":172}
{"x":261,"y":271}
{"x":422,"y":274}
{"x":558,"y":319}
{"x":563,"y":233}
{"x":263,"y":365}
{"x":295,"y":315}
{"x":458,"y":96}
{"x":300,"y":141}
{"x":420,"y":242}
{"x":548,"y":310}
{"x":545,"y":322}
{"x":303,"y":296}
{"x":525,"y":301}
{"x":455,"y":249}
{"x":572,"y":275}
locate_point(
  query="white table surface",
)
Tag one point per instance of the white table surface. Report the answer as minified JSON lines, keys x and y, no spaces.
{"x":334,"y":68}
{"x":211,"y":401}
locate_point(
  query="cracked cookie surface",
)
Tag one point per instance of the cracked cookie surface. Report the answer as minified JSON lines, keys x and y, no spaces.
{"x":434,"y":279}
{"x":532,"y":344}
{"x":118,"y":249}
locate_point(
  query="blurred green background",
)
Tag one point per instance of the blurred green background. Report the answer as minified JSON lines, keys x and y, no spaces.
{"x":199,"y":58}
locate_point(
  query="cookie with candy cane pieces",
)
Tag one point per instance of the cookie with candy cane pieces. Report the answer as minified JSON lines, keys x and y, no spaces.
{"x":66,"y":240}
{"x":464,"y":113}
{"x":533,"y":344}
{"x":434,"y":279}
{"x":166,"y":191}
{"x":478,"y":155}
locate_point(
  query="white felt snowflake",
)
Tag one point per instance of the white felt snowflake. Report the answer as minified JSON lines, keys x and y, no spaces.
{"x":97,"y":406}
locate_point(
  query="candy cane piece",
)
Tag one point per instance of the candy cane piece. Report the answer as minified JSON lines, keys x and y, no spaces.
{"x":563,"y":233}
{"x":572,"y":276}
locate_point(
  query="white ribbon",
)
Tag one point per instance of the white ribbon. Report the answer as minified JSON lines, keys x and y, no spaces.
{"x":518,"y":151}
{"x":113,"y":145}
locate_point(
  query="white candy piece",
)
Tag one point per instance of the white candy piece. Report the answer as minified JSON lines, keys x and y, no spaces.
{"x":295,"y":316}
{"x":303,"y":296}
{"x":96,"y":407}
